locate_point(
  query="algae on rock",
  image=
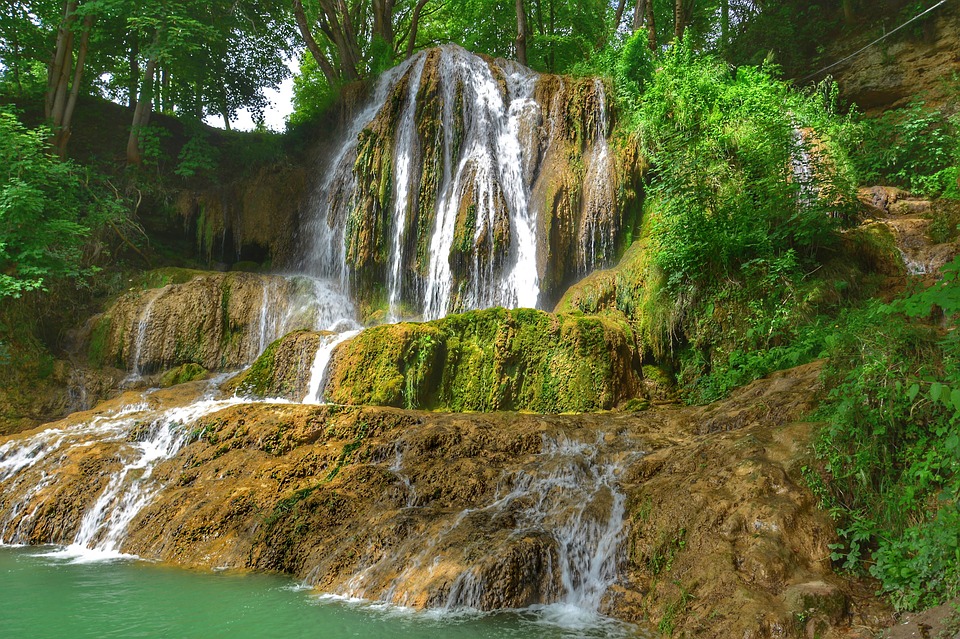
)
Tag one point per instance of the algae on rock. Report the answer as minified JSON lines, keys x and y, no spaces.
{"x":490,"y":360}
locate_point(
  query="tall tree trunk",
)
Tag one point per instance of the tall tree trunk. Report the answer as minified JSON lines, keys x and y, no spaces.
{"x":724,"y":26}
{"x":414,"y":27}
{"x":618,"y":16}
{"x":55,"y":72}
{"x":134,"y":68}
{"x":304,"y":27}
{"x":383,"y":21}
{"x":141,"y":115}
{"x":679,"y":21}
{"x":521,"y":34}
{"x":639,"y":13}
{"x":849,"y":11}
{"x":651,"y":26}
{"x":66,"y":119}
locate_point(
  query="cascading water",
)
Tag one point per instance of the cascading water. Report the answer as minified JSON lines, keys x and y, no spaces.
{"x":318,"y":372}
{"x":406,"y":149}
{"x":439,"y":199}
{"x":567,"y":497}
{"x":597,"y":238}
{"x":143,"y":436}
{"x":142,"y":323}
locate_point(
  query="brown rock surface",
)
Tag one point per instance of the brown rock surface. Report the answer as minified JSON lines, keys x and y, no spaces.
{"x":722,"y":539}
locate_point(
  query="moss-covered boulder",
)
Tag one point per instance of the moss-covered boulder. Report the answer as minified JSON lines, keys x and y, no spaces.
{"x":182,"y":374}
{"x":219,"y":321}
{"x":490,"y":360}
{"x":283,"y":369}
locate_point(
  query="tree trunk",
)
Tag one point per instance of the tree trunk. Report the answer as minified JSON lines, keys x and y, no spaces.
{"x":639,"y":12}
{"x":325,"y":67}
{"x":63,"y":135}
{"x":651,"y":26}
{"x":849,"y":12}
{"x":414,"y":26}
{"x":521,"y":34}
{"x":679,"y":20}
{"x":141,"y":115}
{"x":724,"y":26}
{"x":383,"y":21}
{"x":134,"y":66}
{"x":55,"y":72}
{"x":618,"y":16}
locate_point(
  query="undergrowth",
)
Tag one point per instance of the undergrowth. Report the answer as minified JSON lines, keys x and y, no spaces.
{"x":888,"y":454}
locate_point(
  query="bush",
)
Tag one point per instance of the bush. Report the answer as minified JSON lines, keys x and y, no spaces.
{"x":916,"y":148}
{"x":47,"y":210}
{"x":750,"y":181}
{"x":888,"y":455}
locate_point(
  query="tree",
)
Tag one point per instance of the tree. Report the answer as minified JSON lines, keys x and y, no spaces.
{"x":46,"y":211}
{"x":349,"y":39}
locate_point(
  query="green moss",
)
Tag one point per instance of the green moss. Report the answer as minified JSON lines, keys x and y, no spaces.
{"x":490,"y":360}
{"x":183,"y":374}
{"x":258,"y":379}
{"x":100,"y":343}
{"x":158,"y":278}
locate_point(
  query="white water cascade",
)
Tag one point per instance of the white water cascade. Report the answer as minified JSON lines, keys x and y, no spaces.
{"x":460,"y":160}
{"x":567,"y":497}
{"x":143,"y":436}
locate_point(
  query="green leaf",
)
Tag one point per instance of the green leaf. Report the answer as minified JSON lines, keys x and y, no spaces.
{"x":912,"y":393}
{"x":936,"y":389}
{"x":955,"y":399}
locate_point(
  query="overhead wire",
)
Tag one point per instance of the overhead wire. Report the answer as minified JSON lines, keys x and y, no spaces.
{"x":877,"y":41}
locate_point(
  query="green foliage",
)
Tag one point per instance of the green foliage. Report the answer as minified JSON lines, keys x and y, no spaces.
{"x":634,"y":66}
{"x":312,"y":93}
{"x":888,"y":455}
{"x":916,"y":147}
{"x":47,"y":210}
{"x":197,"y":157}
{"x":750,"y":181}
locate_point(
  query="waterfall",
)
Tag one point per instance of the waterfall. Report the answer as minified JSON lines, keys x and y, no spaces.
{"x":324,"y":251}
{"x":142,"y":435}
{"x":567,"y":497}
{"x":438,"y":198}
{"x":142,"y":324}
{"x":318,"y":372}
{"x":405,"y":151}
{"x":597,"y":239}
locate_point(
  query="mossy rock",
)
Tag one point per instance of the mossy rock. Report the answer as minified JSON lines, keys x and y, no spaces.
{"x":158,"y":278}
{"x":490,"y":360}
{"x":282,"y":370}
{"x":182,"y":374}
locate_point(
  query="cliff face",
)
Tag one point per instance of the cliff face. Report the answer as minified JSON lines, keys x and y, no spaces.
{"x":220,"y":321}
{"x":918,"y":62}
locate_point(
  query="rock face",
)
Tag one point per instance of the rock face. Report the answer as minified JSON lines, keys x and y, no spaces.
{"x":488,"y":361}
{"x":255,"y":219}
{"x":220,"y":321}
{"x":697,"y":517}
{"x":468,"y":183}
{"x":914,"y":63}
{"x":924,"y":231}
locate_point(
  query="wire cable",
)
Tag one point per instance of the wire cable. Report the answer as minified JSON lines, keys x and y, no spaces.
{"x":880,"y":39}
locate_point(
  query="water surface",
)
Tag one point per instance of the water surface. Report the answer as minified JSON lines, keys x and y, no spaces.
{"x":51,"y":594}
